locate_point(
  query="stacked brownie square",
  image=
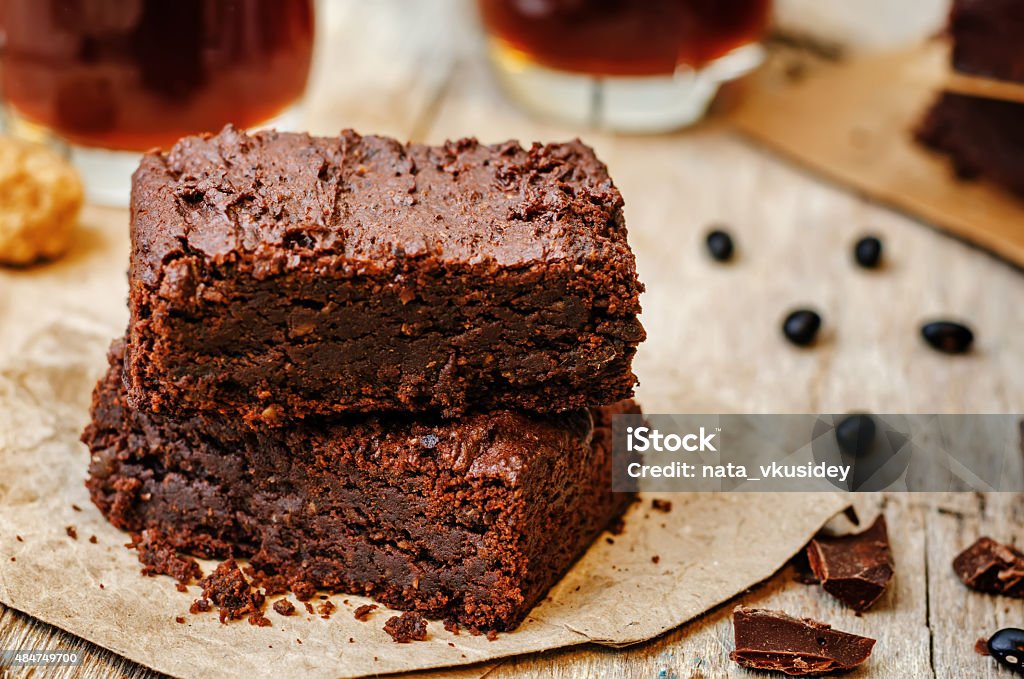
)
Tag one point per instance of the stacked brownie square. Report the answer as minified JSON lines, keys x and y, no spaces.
{"x":983,"y":136}
{"x":373,"y":368}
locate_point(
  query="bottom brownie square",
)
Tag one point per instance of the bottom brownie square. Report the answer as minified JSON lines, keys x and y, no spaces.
{"x":983,"y":137}
{"x":472,"y":519}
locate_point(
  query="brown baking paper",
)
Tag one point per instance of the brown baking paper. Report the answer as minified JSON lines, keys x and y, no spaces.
{"x":58,"y":321}
{"x":853,"y":122}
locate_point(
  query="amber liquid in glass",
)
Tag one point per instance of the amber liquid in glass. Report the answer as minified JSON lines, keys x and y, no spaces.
{"x":624,"y":37}
{"x":134,"y":74}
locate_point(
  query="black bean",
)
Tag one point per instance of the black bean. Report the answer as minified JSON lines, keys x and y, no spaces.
{"x":720,"y":245}
{"x":868,"y":252}
{"x":1007,"y":647}
{"x":947,"y":336}
{"x":856,"y":435}
{"x":801,"y":327}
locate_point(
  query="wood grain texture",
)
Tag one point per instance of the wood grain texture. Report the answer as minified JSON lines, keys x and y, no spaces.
{"x":413,"y":70}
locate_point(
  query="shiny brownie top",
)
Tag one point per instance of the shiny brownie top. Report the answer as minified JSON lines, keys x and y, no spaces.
{"x":273,"y":200}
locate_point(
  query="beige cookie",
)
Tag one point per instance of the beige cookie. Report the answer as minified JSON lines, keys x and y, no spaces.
{"x":40,"y":196}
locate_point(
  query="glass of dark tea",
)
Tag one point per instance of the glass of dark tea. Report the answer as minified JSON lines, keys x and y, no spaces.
{"x":628,"y":65}
{"x":108,"y":79}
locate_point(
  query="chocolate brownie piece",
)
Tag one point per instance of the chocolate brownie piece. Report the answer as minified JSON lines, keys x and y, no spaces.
{"x":987,"y":38}
{"x":472,"y":519}
{"x":281,"y":275}
{"x":983,"y":137}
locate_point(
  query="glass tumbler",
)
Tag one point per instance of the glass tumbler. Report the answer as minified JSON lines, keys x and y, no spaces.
{"x":627,"y":65}
{"x":105,"y":80}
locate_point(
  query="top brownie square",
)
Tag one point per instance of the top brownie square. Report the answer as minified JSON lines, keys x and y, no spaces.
{"x":988,"y":38}
{"x":281,"y":275}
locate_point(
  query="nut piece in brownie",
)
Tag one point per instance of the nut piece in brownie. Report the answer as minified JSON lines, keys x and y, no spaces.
{"x":986,"y":38}
{"x":472,"y":519}
{"x":983,"y":137}
{"x":282,"y":275}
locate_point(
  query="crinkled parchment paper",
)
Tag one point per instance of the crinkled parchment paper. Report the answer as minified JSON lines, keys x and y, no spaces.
{"x":58,"y":321}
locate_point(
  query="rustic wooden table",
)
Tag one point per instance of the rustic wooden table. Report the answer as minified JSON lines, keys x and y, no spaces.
{"x":414,"y":70}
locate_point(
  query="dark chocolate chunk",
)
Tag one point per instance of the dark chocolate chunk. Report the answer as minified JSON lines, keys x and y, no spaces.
{"x":776,"y":641}
{"x":854,"y":568}
{"x":1007,"y":647}
{"x":989,"y":566}
{"x":947,"y":336}
{"x":801,"y":327}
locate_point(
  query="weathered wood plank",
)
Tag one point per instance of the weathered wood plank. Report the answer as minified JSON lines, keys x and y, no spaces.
{"x":402,"y":68}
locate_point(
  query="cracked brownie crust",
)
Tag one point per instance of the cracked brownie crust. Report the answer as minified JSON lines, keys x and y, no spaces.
{"x":472,"y":519}
{"x":280,"y":275}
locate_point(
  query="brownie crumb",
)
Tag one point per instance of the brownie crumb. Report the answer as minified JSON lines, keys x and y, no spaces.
{"x":351,"y":640}
{"x":326,"y":608}
{"x":92,"y":539}
{"x":362,"y":614}
{"x":655,"y":559}
{"x":303,"y":591}
{"x":159,"y":557}
{"x":981,"y":646}
{"x":284,"y":607}
{"x":228,"y":589}
{"x":199,"y":606}
{"x":610,"y":541}
{"x":492,"y":635}
{"x":298,"y":641}
{"x":661,"y":505}
{"x":102,"y":586}
{"x":13,"y":559}
{"x":72,"y":532}
{"x":309,"y":607}
{"x":181,"y":587}
{"x":180,"y":620}
{"x":451,"y":625}
{"x":451,"y":644}
{"x":19,"y":538}
{"x":257,"y":619}
{"x":410,"y":626}
{"x":76,"y":508}
{"x":617,"y":527}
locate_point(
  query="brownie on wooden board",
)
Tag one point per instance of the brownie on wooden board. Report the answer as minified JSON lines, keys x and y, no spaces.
{"x":280,"y":275}
{"x":987,"y":38}
{"x":472,"y":519}
{"x":983,"y":137}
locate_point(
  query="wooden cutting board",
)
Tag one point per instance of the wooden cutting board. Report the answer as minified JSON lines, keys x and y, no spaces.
{"x":853,"y":122}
